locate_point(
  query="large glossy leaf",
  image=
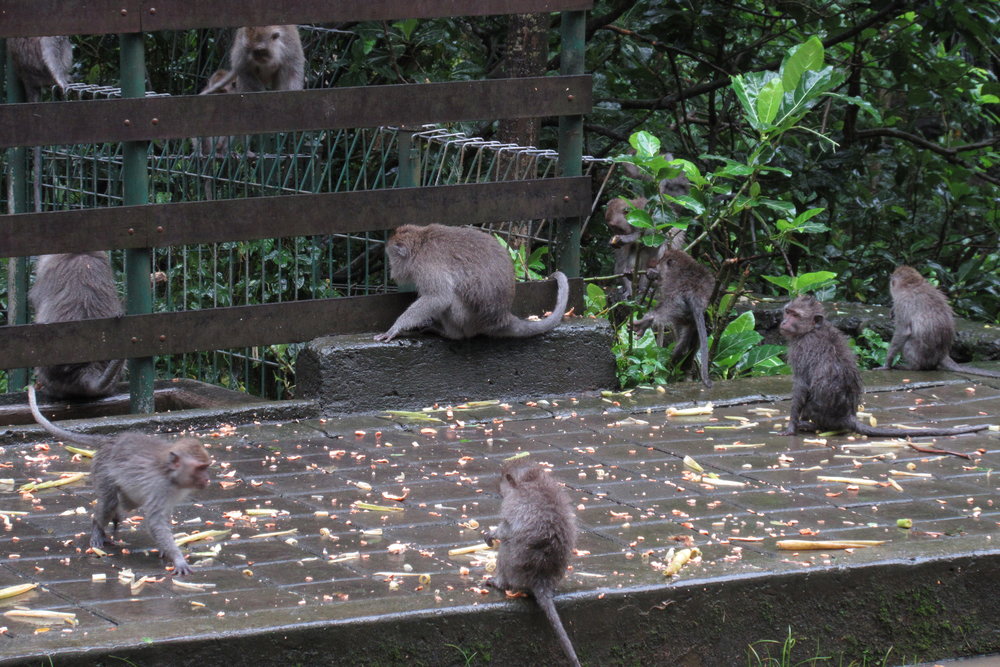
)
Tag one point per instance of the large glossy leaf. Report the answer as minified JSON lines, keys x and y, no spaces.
{"x":748,"y":88}
{"x":799,"y":59}
{"x":645,"y":144}
{"x":769,"y":100}
{"x":810,"y":281}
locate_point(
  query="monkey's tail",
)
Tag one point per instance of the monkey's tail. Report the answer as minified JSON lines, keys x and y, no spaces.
{"x":865,"y":429}
{"x":951,"y":365}
{"x":61,"y":433}
{"x":544,"y":599}
{"x":699,"y":323}
{"x":518,"y":328}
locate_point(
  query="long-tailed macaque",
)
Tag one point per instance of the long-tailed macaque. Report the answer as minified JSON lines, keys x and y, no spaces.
{"x":465,"y":284}
{"x":632,"y":256}
{"x":537,"y":533}
{"x":685,"y":286}
{"x":68,"y":287}
{"x":136,"y":470}
{"x":826,"y":383}
{"x":924,"y":326}
{"x":40,"y":63}
{"x":267,"y":57}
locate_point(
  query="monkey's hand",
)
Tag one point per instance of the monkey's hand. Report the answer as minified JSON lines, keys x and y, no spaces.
{"x":488,"y":537}
{"x":181,"y":567}
{"x":640,"y":326}
{"x":388,"y":335}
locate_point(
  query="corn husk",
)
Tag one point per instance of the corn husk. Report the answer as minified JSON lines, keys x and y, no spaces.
{"x":860,"y":481}
{"x":706,"y":409}
{"x":14,"y":591}
{"x":681,"y":557}
{"x":38,"y":486}
{"x":459,"y":551}
{"x":42,"y":616}
{"x":203,"y":535}
{"x":813,"y":545}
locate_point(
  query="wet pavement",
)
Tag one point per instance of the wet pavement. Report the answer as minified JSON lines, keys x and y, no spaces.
{"x":338,"y":523}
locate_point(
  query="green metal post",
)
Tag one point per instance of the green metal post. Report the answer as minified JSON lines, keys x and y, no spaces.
{"x":17,"y":202}
{"x":138,"y":262}
{"x":408,"y":159}
{"x":573,"y":36}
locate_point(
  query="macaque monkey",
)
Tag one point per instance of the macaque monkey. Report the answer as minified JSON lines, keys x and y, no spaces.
{"x":465,"y":284}
{"x":632,"y":256}
{"x":138,"y":470}
{"x":68,"y":287}
{"x":216,"y":145}
{"x":267,"y":57}
{"x":685,"y":286}
{"x":826,"y":383}
{"x":924,"y":326}
{"x":537,"y":533}
{"x":40,"y":63}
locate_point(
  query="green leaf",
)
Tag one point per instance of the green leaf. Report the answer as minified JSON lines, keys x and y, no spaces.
{"x":733,"y":347}
{"x":862,"y":104}
{"x":690,"y":170}
{"x":809,"y":281}
{"x":407,"y":27}
{"x":769,"y":100}
{"x":638,"y":217}
{"x":687,"y":202}
{"x":745,"y":322}
{"x":763,"y":357}
{"x":784,"y":282}
{"x":811,"y":87}
{"x":645,"y":144}
{"x":748,"y":88}
{"x":596,"y":298}
{"x":805,"y":56}
{"x":783,"y":207}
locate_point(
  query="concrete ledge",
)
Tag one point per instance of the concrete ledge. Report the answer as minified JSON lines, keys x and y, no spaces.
{"x":353,"y":373}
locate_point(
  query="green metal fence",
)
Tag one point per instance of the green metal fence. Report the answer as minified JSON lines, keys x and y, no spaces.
{"x":223,"y":240}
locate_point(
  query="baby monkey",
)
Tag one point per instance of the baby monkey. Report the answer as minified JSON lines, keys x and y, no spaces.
{"x":826,"y":383}
{"x":137,"y":470}
{"x":537,"y":533}
{"x":465,"y":284}
{"x":924,"y":326}
{"x":684,"y":290}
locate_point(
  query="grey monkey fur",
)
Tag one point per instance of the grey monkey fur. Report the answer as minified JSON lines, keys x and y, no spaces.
{"x":685,"y":286}
{"x":826,"y":383}
{"x":137,"y":470}
{"x":68,"y":287}
{"x":267,"y":57}
{"x":465,"y":284}
{"x":924,"y":326}
{"x":537,"y":533}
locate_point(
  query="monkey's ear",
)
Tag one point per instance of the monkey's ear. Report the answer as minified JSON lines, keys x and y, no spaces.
{"x":399,"y":250}
{"x":818,"y":318}
{"x":532,"y":474}
{"x":175,"y":460}
{"x":510,"y":479}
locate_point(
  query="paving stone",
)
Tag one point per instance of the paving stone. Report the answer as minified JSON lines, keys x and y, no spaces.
{"x":620,"y":457}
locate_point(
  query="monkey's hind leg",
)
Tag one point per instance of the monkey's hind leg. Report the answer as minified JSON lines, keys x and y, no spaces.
{"x":107,"y":510}
{"x":159,"y":528}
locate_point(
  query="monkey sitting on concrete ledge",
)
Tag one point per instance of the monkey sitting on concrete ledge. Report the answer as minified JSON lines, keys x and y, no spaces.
{"x":465,"y":284}
{"x":826,"y":383}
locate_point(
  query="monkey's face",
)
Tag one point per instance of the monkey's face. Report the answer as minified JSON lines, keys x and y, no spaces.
{"x":265,"y":43}
{"x":802,"y":315}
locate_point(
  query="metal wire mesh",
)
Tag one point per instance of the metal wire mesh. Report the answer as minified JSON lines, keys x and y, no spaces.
{"x":281,"y":268}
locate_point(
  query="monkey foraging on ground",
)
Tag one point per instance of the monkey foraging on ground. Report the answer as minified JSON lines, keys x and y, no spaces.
{"x":537,"y":533}
{"x":465,"y":284}
{"x":924,"y":326}
{"x":216,"y":145}
{"x":68,"y":287}
{"x":137,"y":470}
{"x":684,"y":290}
{"x":632,"y":256}
{"x":826,"y":383}
{"x":40,"y":63}
{"x":267,"y":57}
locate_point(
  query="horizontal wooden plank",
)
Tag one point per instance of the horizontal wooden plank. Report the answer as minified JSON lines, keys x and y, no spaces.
{"x":26,"y":18}
{"x":161,"y":225}
{"x":217,"y":328}
{"x":20,"y":18}
{"x":222,"y":13}
{"x":93,"y":121}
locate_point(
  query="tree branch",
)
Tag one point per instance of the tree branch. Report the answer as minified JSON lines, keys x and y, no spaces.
{"x":951,"y":154}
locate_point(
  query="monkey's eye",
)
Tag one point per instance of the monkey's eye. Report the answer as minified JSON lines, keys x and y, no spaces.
{"x":275,"y":35}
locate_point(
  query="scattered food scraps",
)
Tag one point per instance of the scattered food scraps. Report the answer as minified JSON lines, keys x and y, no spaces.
{"x":813,"y":545}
